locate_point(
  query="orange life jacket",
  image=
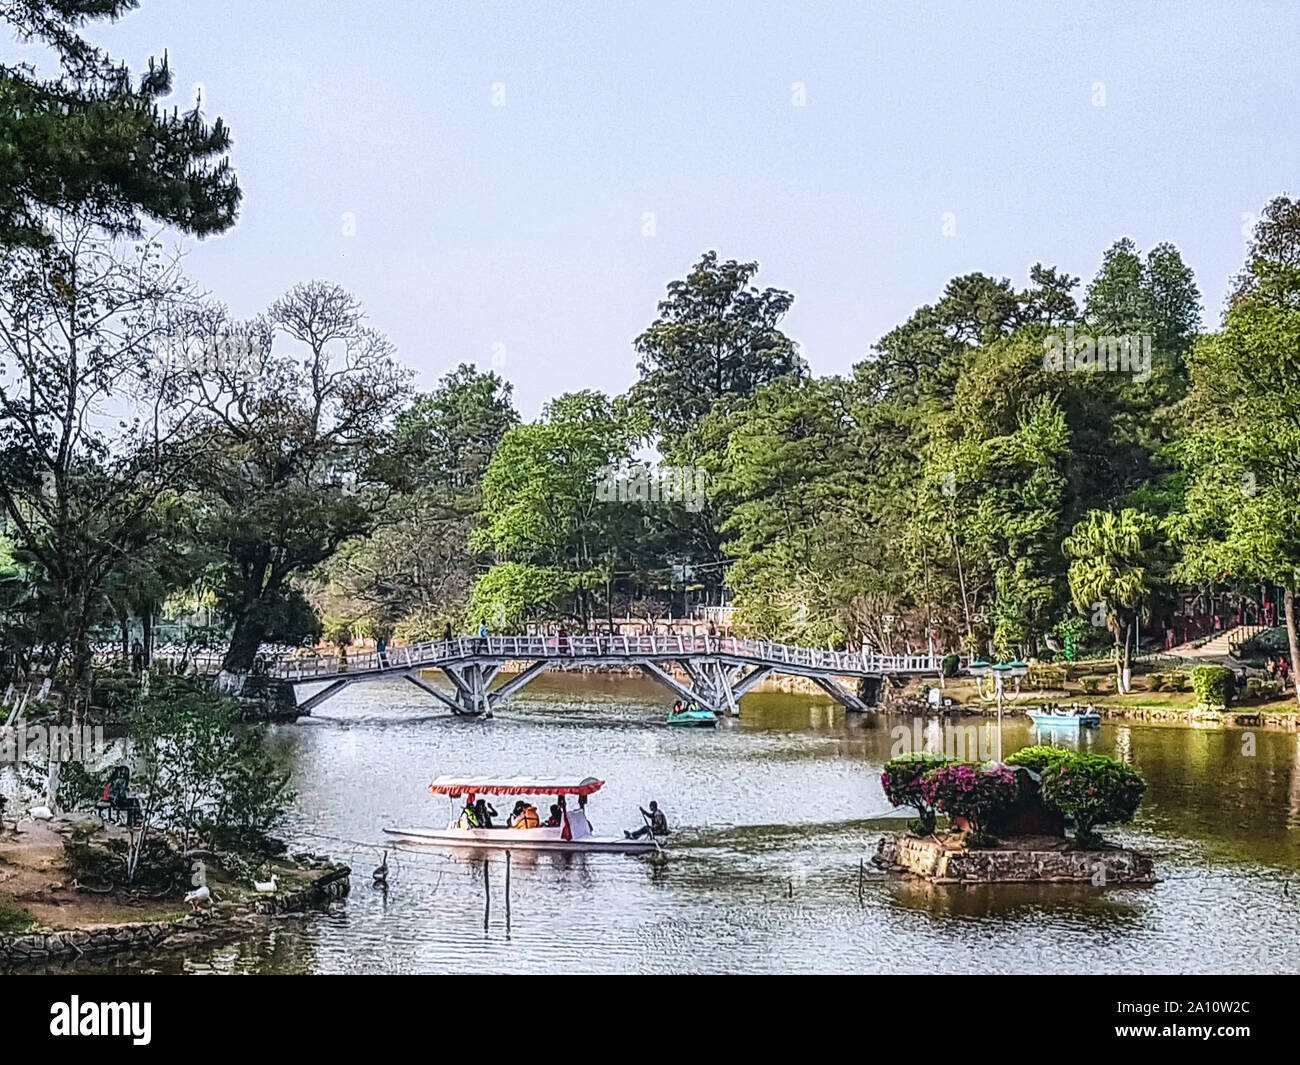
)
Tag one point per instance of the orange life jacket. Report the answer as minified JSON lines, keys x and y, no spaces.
{"x":527,"y":818}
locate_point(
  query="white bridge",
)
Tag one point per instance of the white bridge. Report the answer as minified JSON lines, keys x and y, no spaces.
{"x":715,"y":670}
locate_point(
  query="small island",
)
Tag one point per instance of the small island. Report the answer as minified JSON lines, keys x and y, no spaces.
{"x":1007,"y":823}
{"x":168,"y":842}
{"x":48,"y":913}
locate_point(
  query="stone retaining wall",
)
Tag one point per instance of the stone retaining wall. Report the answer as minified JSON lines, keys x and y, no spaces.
{"x":928,"y":858}
{"x":1188,"y":716}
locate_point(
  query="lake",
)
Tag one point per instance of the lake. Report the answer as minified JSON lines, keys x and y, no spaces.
{"x":771,"y":818}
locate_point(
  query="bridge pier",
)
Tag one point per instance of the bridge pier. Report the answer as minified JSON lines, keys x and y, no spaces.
{"x":711,"y":685}
{"x":471,"y":680}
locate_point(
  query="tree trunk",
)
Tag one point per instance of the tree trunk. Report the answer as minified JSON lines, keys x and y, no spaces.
{"x":1288,"y":600}
{"x":1126,"y":670}
{"x":1120,"y":632}
{"x":244,"y":642}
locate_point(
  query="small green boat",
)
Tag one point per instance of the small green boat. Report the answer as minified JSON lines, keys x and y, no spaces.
{"x":693,"y":718}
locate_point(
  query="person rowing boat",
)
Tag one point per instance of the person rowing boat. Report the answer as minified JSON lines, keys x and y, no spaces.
{"x":656,"y":824}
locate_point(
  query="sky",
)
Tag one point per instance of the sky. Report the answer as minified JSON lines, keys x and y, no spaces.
{"x":514,"y":184}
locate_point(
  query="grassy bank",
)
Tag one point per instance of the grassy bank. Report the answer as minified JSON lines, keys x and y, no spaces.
{"x":962,"y":690}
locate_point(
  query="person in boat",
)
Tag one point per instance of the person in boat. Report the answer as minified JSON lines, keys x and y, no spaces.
{"x":524,"y":816}
{"x":656,"y":823}
{"x":485,"y":811}
{"x":556,"y":819}
{"x":468,"y":816}
{"x":678,"y":707}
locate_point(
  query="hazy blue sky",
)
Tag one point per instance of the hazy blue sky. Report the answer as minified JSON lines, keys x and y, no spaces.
{"x":522,"y":225}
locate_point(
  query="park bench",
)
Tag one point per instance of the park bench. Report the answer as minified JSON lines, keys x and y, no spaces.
{"x":117,"y":804}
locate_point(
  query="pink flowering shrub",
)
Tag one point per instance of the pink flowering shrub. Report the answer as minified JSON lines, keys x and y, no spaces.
{"x":902,"y":783}
{"x":970,"y":791}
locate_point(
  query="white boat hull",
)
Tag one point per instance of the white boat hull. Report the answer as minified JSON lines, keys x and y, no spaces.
{"x":1073,"y":720}
{"x":548,"y":839}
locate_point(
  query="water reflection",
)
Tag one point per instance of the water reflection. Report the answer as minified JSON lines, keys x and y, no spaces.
{"x":772,"y":815}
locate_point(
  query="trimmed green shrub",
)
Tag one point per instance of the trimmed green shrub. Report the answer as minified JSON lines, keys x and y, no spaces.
{"x":902,"y":783}
{"x":1090,"y":685}
{"x":1214,"y":685}
{"x":951,"y":663}
{"x":1177,"y":681}
{"x":1038,"y":758}
{"x":1157,"y":681}
{"x":1092,"y":790}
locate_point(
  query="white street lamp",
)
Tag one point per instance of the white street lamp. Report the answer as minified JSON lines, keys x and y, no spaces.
{"x":999,"y":673}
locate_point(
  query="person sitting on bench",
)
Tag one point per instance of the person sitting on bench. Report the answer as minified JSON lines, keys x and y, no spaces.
{"x":117,"y":797}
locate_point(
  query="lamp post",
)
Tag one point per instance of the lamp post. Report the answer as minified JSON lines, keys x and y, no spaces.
{"x":999,"y":673}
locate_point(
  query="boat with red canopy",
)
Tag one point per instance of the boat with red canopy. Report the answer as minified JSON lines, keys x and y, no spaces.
{"x":566,"y":827}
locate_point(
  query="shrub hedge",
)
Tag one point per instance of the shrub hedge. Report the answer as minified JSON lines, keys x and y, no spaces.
{"x":1214,"y":685}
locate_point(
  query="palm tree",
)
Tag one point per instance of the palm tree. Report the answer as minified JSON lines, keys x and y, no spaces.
{"x":1113,"y":559}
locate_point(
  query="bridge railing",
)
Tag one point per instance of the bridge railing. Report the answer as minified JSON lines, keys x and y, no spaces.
{"x":629,"y":646}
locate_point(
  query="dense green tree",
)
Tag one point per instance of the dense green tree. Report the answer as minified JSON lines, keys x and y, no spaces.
{"x":542,"y":505}
{"x":1156,"y":297}
{"x":1238,"y":517}
{"x":94,"y":142}
{"x":809,"y":554}
{"x":415,"y":571}
{"x":716,"y":337}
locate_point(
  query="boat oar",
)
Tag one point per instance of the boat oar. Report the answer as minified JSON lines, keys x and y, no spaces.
{"x":651,"y":829}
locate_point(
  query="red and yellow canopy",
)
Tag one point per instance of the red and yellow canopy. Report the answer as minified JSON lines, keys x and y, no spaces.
{"x":458,"y":786}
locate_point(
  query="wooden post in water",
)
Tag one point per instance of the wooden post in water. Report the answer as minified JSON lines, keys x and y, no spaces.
{"x":487,"y":892}
{"x":860,"y":871}
{"x":507,"y":892}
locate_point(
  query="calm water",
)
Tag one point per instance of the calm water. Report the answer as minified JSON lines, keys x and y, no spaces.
{"x":771,"y":816}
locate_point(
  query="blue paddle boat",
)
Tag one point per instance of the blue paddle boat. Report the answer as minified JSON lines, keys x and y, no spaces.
{"x":1075,"y":717}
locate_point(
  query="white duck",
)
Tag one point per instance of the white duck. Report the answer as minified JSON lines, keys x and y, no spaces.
{"x":268,"y":887}
{"x":199,"y":897}
{"x":41,"y":813}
